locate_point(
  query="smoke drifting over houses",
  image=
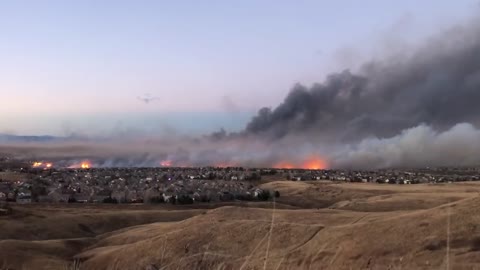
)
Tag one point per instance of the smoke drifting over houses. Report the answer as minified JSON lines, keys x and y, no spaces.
{"x":420,"y":108}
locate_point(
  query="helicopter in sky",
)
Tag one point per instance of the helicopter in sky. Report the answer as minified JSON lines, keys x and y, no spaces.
{"x":147,"y":98}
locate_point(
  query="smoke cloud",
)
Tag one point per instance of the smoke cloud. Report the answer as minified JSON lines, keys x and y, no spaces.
{"x":420,"y":146}
{"x":413,"y":110}
{"x":439,"y":84}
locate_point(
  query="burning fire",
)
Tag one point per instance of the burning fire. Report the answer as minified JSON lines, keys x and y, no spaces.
{"x":314,"y":163}
{"x":166,"y":163}
{"x":44,"y":165}
{"x":85,"y":165}
{"x":37,"y":164}
{"x":311,"y":163}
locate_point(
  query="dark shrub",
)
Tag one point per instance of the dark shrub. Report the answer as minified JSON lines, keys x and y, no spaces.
{"x":244,"y":197}
{"x":110,"y":200}
{"x":184,"y":199}
{"x":157,"y":199}
{"x":204,"y":198}
{"x":264,"y":195}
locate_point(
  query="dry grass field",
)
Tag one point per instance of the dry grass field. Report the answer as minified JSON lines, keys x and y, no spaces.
{"x":313,"y":225}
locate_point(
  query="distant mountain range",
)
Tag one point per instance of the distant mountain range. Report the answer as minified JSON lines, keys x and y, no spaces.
{"x":7,"y":138}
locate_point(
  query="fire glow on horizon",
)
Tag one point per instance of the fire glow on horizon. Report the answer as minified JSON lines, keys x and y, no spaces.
{"x":85,"y":165}
{"x":82,"y":165}
{"x":311,"y":163}
{"x":45,"y":165}
{"x":37,"y":164}
{"x":166,"y":163}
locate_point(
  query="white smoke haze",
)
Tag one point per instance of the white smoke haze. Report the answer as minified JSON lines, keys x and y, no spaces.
{"x":417,"y":108}
{"x":420,"y":146}
{"x":414,"y":147}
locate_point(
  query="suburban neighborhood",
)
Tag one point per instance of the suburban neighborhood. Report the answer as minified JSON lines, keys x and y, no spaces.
{"x":188,"y":185}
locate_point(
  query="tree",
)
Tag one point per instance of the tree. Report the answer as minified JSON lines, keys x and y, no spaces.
{"x":244,"y":197}
{"x":157,"y":199}
{"x":110,"y":200}
{"x":255,"y":177}
{"x":185,"y":199}
{"x":264,"y":195}
{"x":204,"y":198}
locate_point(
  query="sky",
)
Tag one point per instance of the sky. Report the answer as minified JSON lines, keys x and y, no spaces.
{"x":80,"y":66}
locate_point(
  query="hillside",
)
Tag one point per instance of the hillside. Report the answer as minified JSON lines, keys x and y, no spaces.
{"x":364,"y":226}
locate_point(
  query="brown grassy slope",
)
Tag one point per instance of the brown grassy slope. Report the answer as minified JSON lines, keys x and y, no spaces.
{"x":71,"y":229}
{"x":48,"y":254}
{"x":230,"y":238}
{"x":414,"y":240}
{"x":406,"y":197}
{"x":368,"y":196}
{"x":367,"y":226}
{"x":41,"y":224}
{"x":316,"y":194}
{"x":402,"y":235}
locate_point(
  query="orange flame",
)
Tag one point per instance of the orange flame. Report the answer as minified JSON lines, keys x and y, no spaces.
{"x":311,"y":163}
{"x":314,"y":163}
{"x":48,"y":165}
{"x":85,"y":165}
{"x":37,"y":164}
{"x":166,"y":163}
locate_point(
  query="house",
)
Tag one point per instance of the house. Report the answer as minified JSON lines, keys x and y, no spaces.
{"x":57,"y":197}
{"x":5,"y":187}
{"x":82,"y":197}
{"x":24,"y":197}
{"x":167,"y":198}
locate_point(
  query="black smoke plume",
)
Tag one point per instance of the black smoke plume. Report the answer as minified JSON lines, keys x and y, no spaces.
{"x":437,"y":85}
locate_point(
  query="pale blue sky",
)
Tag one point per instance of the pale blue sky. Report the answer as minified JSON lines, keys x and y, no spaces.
{"x":78,"y":66}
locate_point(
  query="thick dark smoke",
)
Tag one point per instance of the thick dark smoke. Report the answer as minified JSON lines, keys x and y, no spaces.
{"x":438,"y":85}
{"x":421,"y":108}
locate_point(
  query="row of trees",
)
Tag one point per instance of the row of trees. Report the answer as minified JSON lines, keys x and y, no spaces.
{"x":264,"y":195}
